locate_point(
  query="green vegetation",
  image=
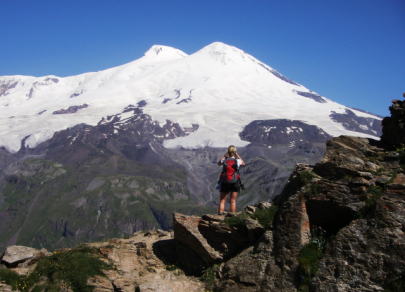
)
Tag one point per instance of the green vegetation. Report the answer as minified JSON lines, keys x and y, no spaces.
{"x":91,"y":196}
{"x":375,"y":193}
{"x":238,"y":221}
{"x":306,"y":176}
{"x":14,"y":280}
{"x":62,"y":269}
{"x":318,"y":237}
{"x":393,"y":177}
{"x":172,"y":267}
{"x":396,"y":286}
{"x":208,"y":277}
{"x":308,"y":259}
{"x":265,"y":217}
{"x":313,"y":190}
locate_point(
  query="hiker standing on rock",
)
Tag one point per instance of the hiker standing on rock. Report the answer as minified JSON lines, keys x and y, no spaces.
{"x":231,"y":162}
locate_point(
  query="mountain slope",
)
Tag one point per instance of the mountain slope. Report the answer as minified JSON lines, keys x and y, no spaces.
{"x":219,"y":88}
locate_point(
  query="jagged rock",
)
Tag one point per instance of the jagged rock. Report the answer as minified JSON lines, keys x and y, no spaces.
{"x":251,"y":269}
{"x":70,"y":110}
{"x":17,"y":254}
{"x":186,"y":232}
{"x":250,"y":209}
{"x":254,"y":230}
{"x":394,"y":126}
{"x":263,"y":205}
{"x":228,"y":241}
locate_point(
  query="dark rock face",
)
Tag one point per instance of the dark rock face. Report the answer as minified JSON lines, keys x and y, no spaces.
{"x":360,"y":124}
{"x":278,"y":75}
{"x":6,"y":86}
{"x":130,"y":138}
{"x":70,"y":110}
{"x":352,"y":122}
{"x":271,"y":132}
{"x":394,"y":126}
{"x":312,"y":95}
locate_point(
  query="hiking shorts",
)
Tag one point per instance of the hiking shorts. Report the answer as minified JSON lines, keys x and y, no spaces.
{"x":226,"y":188}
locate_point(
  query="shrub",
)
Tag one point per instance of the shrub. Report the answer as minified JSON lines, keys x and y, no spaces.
{"x":14,"y":280}
{"x":61,"y":269}
{"x":308,"y":262}
{"x":396,"y":286}
{"x":265,"y":217}
{"x":393,"y":177}
{"x":306,"y":176}
{"x":375,"y":193}
{"x":208,"y":277}
{"x":171,"y":267}
{"x":318,"y":236}
{"x":313,"y":190}
{"x":73,"y":268}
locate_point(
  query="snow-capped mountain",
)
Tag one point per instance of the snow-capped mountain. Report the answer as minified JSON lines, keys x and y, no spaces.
{"x":216,"y":91}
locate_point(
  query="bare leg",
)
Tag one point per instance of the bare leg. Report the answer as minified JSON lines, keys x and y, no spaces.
{"x":222,"y":201}
{"x":233,"y":201}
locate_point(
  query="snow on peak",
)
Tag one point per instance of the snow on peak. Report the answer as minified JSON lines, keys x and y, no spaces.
{"x":220,"y":47}
{"x":198,"y":89}
{"x":164,"y":51}
{"x":223,"y":53}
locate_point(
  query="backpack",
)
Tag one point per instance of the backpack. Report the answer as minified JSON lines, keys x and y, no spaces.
{"x":229,"y":172}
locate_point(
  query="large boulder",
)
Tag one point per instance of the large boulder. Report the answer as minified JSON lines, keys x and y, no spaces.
{"x":16,"y":254}
{"x":193,"y":249}
{"x":204,"y":241}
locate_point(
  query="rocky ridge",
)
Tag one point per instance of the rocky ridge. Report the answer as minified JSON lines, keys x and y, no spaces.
{"x":138,"y":263}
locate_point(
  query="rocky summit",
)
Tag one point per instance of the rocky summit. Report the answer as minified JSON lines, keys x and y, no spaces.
{"x":338,"y":225}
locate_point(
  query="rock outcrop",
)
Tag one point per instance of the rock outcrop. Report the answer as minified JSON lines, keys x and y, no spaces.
{"x":139,"y":263}
{"x":204,"y":241}
{"x":394,"y":126}
{"x":23,"y":257}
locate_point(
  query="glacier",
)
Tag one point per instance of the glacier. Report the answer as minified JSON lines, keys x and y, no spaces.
{"x":220,"y":88}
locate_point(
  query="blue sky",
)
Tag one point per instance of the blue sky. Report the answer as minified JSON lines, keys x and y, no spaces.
{"x":352,"y":52}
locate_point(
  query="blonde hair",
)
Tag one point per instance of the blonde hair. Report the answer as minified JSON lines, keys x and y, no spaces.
{"x":232,"y":150}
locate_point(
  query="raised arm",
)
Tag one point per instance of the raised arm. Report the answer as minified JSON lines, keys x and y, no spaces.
{"x":237,"y":156}
{"x":223,"y":157}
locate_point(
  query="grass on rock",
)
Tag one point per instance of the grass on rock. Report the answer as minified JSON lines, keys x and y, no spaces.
{"x":62,"y":269}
